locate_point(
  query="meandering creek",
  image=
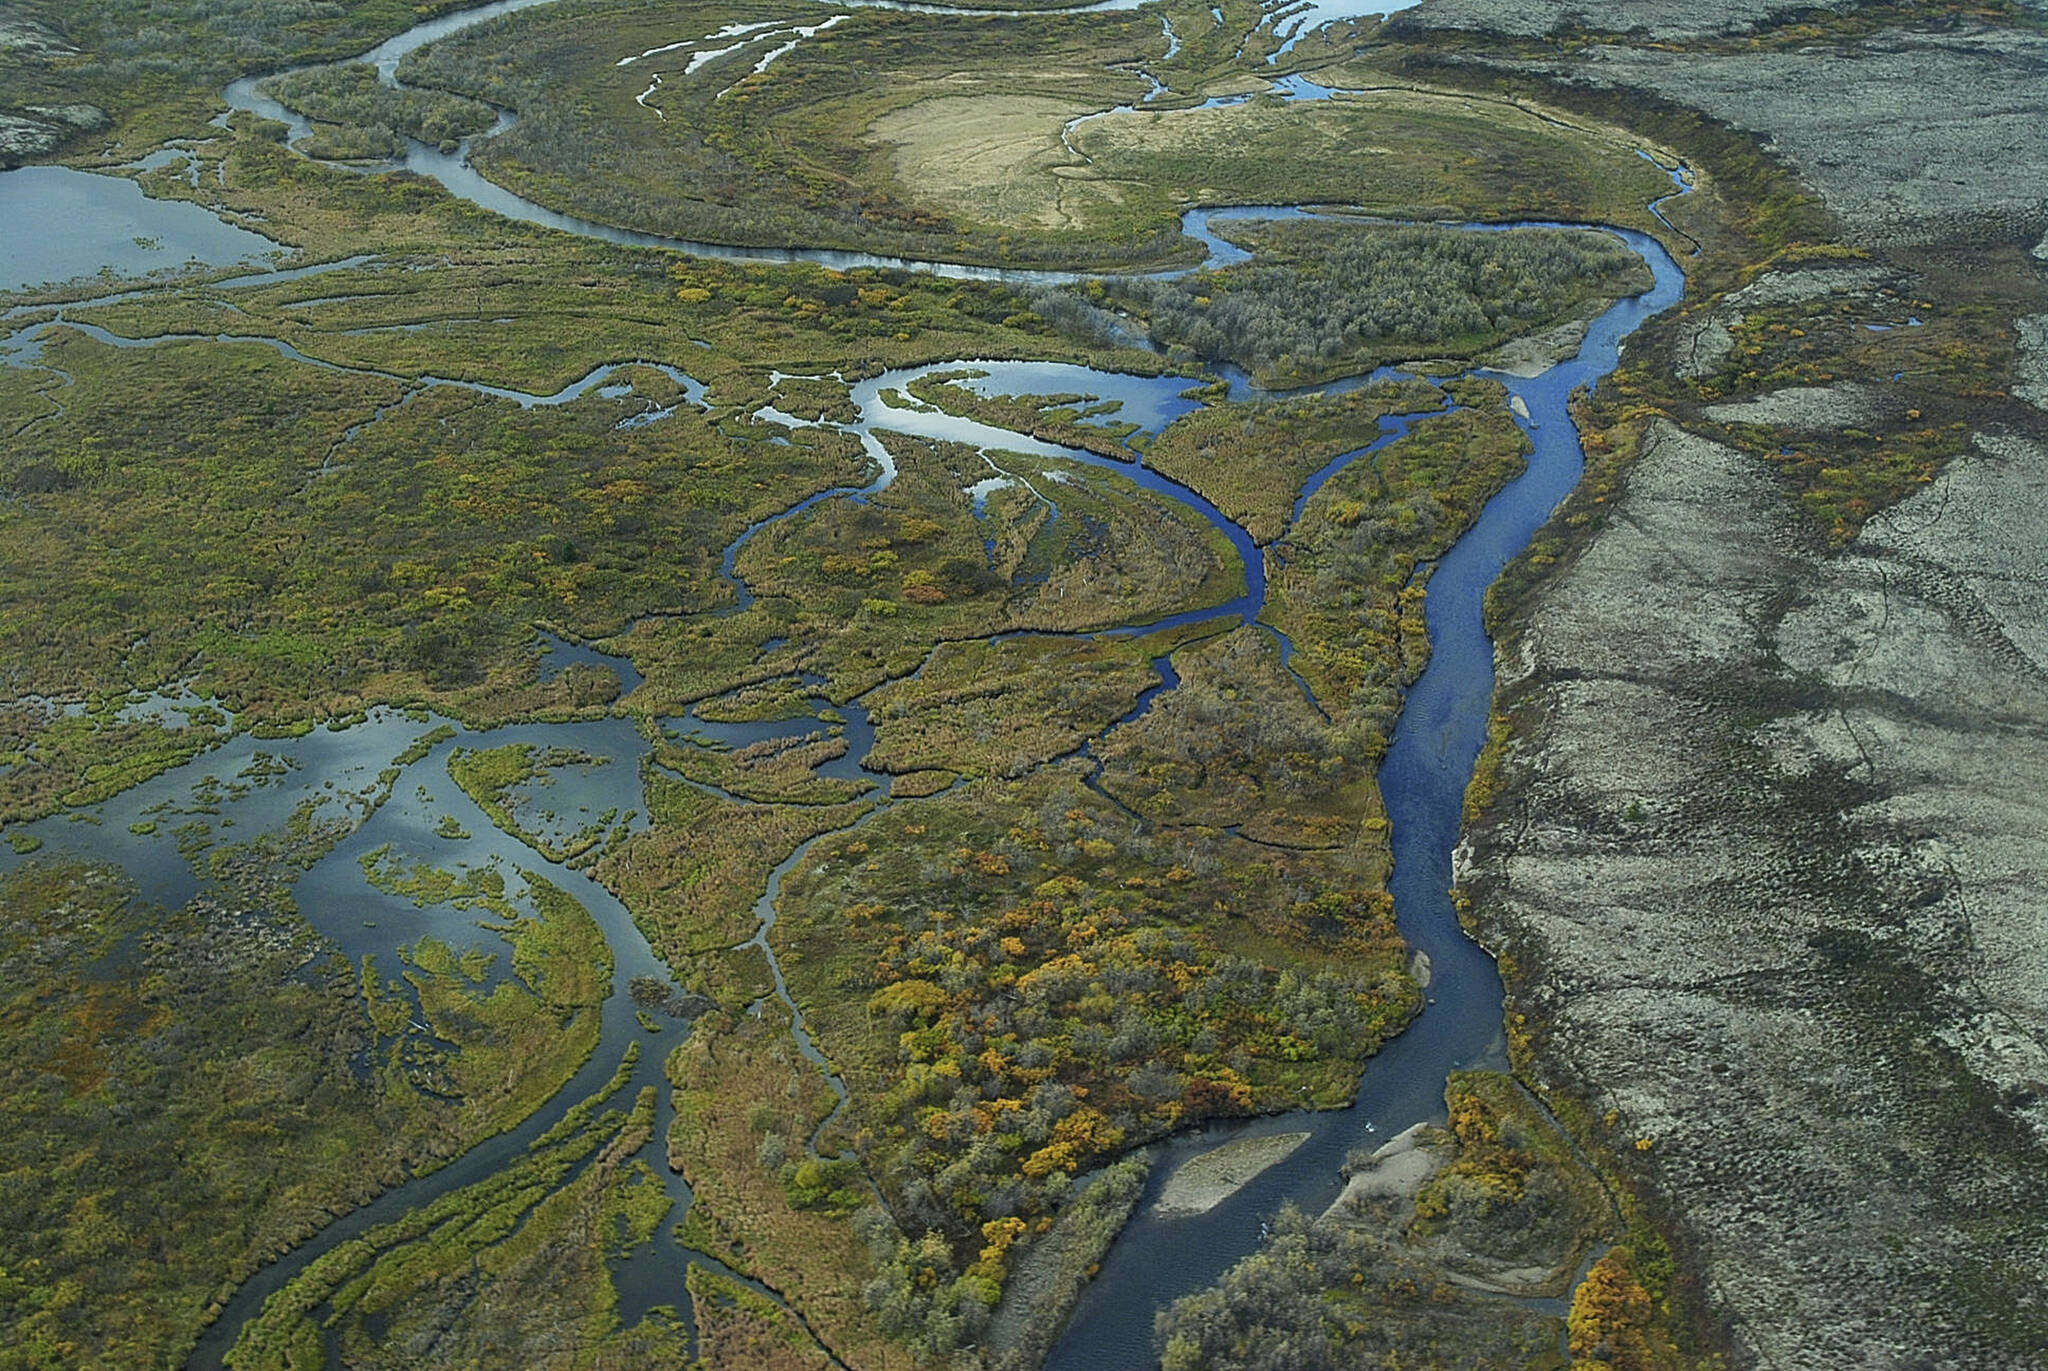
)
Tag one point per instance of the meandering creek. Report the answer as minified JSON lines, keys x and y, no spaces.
{"x":244,"y":786}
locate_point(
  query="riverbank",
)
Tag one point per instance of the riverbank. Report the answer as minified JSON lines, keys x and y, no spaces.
{"x":389,"y":532}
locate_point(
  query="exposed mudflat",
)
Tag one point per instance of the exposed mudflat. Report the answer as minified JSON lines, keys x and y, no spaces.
{"x":1207,"y":1179}
{"x":989,"y":154}
{"x":1395,"y":1173}
{"x":1536,"y":353}
{"x":1773,"y":865}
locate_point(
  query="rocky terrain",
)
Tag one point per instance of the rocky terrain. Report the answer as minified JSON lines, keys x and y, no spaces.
{"x":1773,"y":877}
{"x":1659,"y":20}
{"x":1913,"y":134}
{"x":1771,"y":863}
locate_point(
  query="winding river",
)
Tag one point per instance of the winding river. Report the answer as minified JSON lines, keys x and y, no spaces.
{"x":256,"y":785}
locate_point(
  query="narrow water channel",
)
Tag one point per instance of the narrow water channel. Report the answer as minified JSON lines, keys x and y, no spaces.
{"x":1423,"y":779}
{"x":1435,"y":744}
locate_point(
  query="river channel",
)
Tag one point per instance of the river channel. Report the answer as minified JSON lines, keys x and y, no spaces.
{"x":243,"y":786}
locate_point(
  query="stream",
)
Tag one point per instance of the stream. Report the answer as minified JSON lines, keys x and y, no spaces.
{"x":244,"y":786}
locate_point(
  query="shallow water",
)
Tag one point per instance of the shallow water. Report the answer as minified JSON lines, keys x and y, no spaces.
{"x":1298,"y":21}
{"x":1150,"y":402}
{"x":105,"y":224}
{"x":1423,"y":778}
{"x":1156,"y":1260}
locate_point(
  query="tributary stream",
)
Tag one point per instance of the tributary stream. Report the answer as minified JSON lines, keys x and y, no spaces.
{"x":245,"y":786}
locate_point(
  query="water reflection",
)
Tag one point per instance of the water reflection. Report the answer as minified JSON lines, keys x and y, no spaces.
{"x":108,"y":226}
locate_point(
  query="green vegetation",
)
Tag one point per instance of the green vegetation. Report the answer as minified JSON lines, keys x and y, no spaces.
{"x":507,"y":782}
{"x":1401,"y":152}
{"x":521,"y":1038}
{"x":1251,"y":461}
{"x":1348,"y":594}
{"x":1017,"y":984}
{"x":1320,"y":1296}
{"x":691,"y":879}
{"x":159,"y":76}
{"x":1052,"y":1272}
{"x":1613,"y":1319}
{"x":263,"y":520}
{"x":1060,"y":936}
{"x":738,"y":1330}
{"x":1396,"y":1276}
{"x":261,"y":560}
{"x":1325,"y":298}
{"x":1513,"y":1189}
{"x":772,"y":771}
{"x":358,"y":117}
{"x":1949,"y":375}
{"x":916,"y":134}
{"x":226,"y":1040}
{"x":725,"y":155}
{"x":1005,"y":706}
{"x":1238,"y":744}
{"x":869,"y":587}
{"x":520,"y":1256}
{"x":746,"y":1105}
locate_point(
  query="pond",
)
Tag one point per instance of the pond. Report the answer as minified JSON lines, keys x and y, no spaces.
{"x":108,"y":226}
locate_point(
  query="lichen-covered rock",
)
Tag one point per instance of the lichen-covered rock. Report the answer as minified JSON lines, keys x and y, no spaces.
{"x":1661,"y":20}
{"x":21,"y":138}
{"x":78,"y":116}
{"x":2033,"y":361}
{"x":1909,"y":134}
{"x":1772,"y":864}
{"x":19,"y":34}
{"x":1841,"y":405}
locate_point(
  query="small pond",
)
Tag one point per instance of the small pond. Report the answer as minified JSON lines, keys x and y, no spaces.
{"x":106,"y":224}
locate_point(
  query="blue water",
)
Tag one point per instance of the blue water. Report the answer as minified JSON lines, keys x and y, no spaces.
{"x":1150,"y":402}
{"x":109,"y":225}
{"x":1302,"y":20}
{"x":1435,"y":744}
{"x":1423,"y":777}
{"x":248,"y":786}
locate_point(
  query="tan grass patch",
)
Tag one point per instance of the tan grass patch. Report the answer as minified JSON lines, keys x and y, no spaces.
{"x":994,"y":158}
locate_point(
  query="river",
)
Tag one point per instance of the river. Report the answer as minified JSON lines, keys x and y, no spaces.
{"x":258,"y":784}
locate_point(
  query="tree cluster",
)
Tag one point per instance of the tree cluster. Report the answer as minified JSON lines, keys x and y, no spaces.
{"x":372,"y":119}
{"x":1326,"y":296}
{"x":1327,"y":1296}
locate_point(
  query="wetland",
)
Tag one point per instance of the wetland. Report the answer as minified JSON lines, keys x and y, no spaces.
{"x":659,"y":729}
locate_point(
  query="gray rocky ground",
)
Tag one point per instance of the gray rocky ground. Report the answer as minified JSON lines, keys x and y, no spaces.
{"x":43,"y":128}
{"x":1708,"y":339}
{"x":1660,"y":20}
{"x":1908,"y":134}
{"x":1840,"y":405}
{"x":1776,"y":864}
{"x":1772,"y":848}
